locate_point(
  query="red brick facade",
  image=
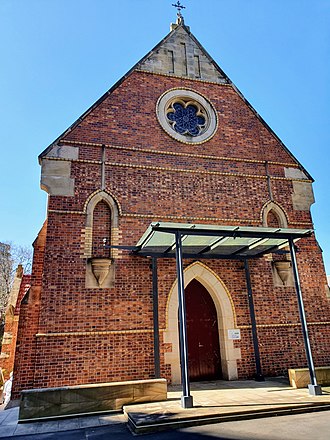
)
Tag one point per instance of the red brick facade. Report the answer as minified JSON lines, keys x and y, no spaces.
{"x":72,"y":334}
{"x":20,"y":287}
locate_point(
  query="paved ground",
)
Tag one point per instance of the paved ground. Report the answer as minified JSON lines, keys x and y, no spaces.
{"x":311,"y":426}
{"x":226,"y":398}
{"x":10,"y":427}
{"x":219,"y":401}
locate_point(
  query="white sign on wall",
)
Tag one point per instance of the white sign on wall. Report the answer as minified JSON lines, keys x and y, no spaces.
{"x":234,"y":334}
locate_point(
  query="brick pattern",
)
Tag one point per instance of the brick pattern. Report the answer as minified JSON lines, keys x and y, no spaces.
{"x":11,"y":326}
{"x":11,"y":322}
{"x":102,"y":335}
{"x":272,"y":220}
{"x":240,"y":133}
{"x":25,"y":358}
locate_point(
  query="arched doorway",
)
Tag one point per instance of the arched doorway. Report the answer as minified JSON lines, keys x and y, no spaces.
{"x":203,"y":334}
{"x":225,"y":315}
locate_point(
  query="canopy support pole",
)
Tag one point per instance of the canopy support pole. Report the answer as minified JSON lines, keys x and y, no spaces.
{"x":186,"y":398}
{"x":313,"y":388}
{"x":259,"y":377}
{"x":155,"y":316}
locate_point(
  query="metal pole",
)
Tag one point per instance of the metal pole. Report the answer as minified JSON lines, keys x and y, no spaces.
{"x":186,"y":398}
{"x":314,"y":388}
{"x":258,"y":376}
{"x":103,"y":168}
{"x":155,"y":316}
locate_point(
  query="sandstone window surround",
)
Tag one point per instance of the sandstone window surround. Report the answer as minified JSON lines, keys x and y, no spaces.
{"x":274,"y":217}
{"x":187,"y":116}
{"x":100,"y":232}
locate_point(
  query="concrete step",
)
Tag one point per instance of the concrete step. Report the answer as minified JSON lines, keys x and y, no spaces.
{"x":142,"y":420}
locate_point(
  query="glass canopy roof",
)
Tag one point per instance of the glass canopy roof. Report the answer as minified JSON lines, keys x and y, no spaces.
{"x":213,"y":241}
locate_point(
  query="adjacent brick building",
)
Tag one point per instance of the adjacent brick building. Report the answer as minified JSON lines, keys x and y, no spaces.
{"x":172,"y":141}
{"x":21,"y":285}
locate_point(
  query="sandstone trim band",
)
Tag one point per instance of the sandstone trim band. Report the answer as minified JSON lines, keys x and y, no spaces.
{"x":173,"y":153}
{"x":107,"y":332}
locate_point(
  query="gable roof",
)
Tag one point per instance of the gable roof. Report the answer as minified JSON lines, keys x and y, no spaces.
{"x":158,"y":61}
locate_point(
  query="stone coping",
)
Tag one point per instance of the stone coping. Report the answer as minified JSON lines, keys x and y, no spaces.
{"x":306,"y":369}
{"x":94,"y":385}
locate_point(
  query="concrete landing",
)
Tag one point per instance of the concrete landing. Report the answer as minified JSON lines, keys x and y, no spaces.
{"x":221,"y":401}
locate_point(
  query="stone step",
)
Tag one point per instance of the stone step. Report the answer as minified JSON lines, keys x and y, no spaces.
{"x":140,"y":420}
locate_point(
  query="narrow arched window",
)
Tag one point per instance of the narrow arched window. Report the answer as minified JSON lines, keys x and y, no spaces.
{"x":101,"y":235}
{"x":273,"y":216}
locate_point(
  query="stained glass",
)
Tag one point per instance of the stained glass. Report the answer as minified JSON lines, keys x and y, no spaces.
{"x":185,"y":119}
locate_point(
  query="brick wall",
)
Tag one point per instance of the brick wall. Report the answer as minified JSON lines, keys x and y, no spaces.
{"x":70,"y":334}
{"x":11,"y":323}
{"x":25,"y":358}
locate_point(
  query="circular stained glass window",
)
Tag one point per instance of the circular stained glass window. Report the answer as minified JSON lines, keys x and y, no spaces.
{"x":186,"y":116}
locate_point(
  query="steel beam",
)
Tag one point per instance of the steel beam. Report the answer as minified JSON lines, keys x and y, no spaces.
{"x":232,"y":233}
{"x":258,"y":376}
{"x":186,"y":398}
{"x":313,"y":387}
{"x":155,"y":316}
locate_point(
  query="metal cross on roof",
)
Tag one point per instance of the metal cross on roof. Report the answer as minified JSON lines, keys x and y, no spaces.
{"x":179,"y":6}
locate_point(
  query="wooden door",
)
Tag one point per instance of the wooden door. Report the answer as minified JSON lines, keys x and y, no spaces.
{"x":203,"y":335}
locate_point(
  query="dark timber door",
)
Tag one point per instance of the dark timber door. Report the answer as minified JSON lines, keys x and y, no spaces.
{"x":203,"y":335}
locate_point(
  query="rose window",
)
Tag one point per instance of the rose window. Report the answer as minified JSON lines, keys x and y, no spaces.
{"x":186,"y":118}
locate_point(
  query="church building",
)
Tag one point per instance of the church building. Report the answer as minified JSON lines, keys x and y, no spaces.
{"x":176,"y":219}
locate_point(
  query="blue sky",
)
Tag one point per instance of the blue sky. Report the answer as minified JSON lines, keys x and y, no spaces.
{"x":59,"y":56}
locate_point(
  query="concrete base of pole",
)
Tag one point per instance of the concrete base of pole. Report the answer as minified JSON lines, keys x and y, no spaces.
{"x":314,"y":390}
{"x":187,"y":402}
{"x":259,"y":378}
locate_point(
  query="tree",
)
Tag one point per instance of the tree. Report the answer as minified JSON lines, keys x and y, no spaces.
{"x":11,"y":255}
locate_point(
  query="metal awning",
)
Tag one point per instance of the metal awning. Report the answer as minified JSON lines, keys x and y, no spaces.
{"x":213,"y":241}
{"x":185,"y":240}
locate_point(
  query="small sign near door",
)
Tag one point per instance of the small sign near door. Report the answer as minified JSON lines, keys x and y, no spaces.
{"x":234,"y":334}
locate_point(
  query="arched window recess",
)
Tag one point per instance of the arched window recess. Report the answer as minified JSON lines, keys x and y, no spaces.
{"x":273,"y":216}
{"x":101,"y":232}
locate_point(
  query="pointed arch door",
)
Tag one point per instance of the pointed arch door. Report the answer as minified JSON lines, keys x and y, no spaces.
{"x":203,"y":334}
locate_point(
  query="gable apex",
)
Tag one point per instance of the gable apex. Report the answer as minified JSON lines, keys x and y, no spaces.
{"x":181,"y":54}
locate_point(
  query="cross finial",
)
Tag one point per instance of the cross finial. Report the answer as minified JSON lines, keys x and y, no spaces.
{"x":179,"y":6}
